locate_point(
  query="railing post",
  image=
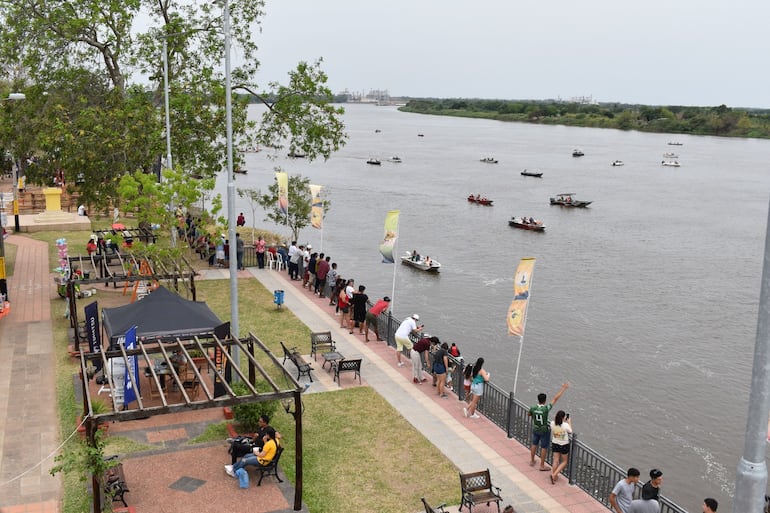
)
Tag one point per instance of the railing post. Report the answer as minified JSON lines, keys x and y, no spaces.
{"x":390,"y":325}
{"x":572,"y":456}
{"x":461,"y":388}
{"x":509,"y":421}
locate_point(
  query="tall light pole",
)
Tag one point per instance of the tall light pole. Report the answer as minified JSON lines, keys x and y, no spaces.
{"x":230,"y":184}
{"x":3,"y":282}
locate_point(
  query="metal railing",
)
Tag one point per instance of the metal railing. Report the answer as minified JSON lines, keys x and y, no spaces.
{"x":587,"y":469}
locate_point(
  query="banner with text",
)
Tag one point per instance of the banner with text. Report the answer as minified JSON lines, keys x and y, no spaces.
{"x":92,"y":331}
{"x":391,"y":234}
{"x":282,"y":177}
{"x":522,"y":281}
{"x":129,"y":394}
{"x":316,"y":207}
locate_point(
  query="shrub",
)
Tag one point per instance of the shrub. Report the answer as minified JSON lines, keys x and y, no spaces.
{"x":247,"y":414}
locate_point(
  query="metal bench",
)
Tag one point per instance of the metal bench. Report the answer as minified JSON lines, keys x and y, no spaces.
{"x":321,"y":342}
{"x":477,"y":488}
{"x":431,"y":509}
{"x":303,"y":367}
{"x":115,"y":485}
{"x":271,"y":469}
{"x":343,"y":365}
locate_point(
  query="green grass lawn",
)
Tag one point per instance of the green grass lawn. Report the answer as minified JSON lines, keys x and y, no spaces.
{"x":358,"y":450}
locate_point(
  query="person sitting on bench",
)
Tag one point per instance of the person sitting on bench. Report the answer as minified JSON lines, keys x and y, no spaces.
{"x":257,"y":457}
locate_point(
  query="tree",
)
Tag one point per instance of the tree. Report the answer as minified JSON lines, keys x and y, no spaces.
{"x":299,"y":204}
{"x":99,"y":123}
{"x":252,"y":196}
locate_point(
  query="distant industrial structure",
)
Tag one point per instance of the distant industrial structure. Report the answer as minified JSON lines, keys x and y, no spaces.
{"x":375,"y":96}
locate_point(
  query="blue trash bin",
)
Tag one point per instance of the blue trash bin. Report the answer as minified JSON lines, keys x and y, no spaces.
{"x":278,"y":297}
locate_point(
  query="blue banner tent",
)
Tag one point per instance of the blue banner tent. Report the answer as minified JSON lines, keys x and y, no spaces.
{"x":162,"y":316}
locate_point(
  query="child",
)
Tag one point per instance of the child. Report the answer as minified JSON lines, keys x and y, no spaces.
{"x":467,"y":377}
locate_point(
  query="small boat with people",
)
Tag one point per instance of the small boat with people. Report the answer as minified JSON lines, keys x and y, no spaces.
{"x":531,"y":173}
{"x":617,"y":163}
{"x":240,"y":171}
{"x":670,"y":163}
{"x":577,"y":152}
{"x":480,"y":200}
{"x":670,"y":155}
{"x":395,"y":159}
{"x":566,"y":199}
{"x":489,"y":160}
{"x":674,"y":143}
{"x":527,"y":223}
{"x":414,"y":259}
{"x":295,"y":155}
{"x":374,"y":162}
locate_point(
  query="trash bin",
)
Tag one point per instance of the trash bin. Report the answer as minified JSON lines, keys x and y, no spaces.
{"x":278,"y":297}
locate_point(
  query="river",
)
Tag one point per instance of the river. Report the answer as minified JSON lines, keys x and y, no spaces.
{"x":646,"y":302}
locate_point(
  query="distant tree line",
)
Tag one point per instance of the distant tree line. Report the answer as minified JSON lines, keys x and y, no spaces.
{"x":719,"y":121}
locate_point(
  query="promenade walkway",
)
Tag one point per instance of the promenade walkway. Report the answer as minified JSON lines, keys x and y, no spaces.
{"x":29,"y":430}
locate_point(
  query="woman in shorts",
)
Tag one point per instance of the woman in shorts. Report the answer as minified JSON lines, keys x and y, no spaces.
{"x":560,"y":431}
{"x":480,"y":376}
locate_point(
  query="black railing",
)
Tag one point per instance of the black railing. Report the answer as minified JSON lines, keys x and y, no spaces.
{"x":587,"y":469}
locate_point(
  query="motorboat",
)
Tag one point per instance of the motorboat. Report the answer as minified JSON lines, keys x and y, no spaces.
{"x":670,"y":155}
{"x":395,"y":159}
{"x":489,"y":160}
{"x":426,"y":264}
{"x":617,"y":163}
{"x":531,"y":173}
{"x":240,"y":171}
{"x":295,"y":155}
{"x":377,"y":130}
{"x":374,"y":162}
{"x":420,"y":135}
{"x":566,"y":199}
{"x":670,"y":163}
{"x":480,"y":200}
{"x":577,"y":153}
{"x":674,"y":143}
{"x":527,"y":224}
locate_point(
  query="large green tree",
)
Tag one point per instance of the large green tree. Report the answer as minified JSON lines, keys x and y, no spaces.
{"x":101,"y":65}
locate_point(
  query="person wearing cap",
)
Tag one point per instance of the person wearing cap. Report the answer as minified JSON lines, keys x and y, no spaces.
{"x":372,"y":315}
{"x":710,"y":505}
{"x":406,"y":328}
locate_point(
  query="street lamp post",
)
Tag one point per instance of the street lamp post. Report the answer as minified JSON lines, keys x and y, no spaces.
{"x":3,"y":282}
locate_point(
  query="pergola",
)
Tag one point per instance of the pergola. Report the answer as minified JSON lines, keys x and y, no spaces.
{"x":219,"y":395}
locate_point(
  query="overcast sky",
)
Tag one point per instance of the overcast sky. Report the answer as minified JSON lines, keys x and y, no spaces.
{"x":674,"y":52}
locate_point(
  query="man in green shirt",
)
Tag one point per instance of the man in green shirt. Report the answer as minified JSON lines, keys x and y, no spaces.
{"x":541,"y":430}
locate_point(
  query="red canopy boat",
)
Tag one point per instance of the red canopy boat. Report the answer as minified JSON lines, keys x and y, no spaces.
{"x":479,"y":200}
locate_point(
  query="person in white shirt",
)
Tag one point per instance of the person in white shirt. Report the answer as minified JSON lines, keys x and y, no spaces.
{"x":407,"y":327}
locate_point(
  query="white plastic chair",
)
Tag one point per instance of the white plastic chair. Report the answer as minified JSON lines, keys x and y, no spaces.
{"x":271,"y":261}
{"x":279,"y":264}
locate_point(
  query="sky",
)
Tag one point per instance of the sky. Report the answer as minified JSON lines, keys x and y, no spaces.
{"x":653,"y":52}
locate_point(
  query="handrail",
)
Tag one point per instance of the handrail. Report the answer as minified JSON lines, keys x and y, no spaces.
{"x":589,"y":470}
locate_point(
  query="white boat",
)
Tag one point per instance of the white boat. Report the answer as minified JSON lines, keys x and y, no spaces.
{"x":671,"y":163}
{"x":374,"y":162}
{"x":489,"y":160}
{"x":426,"y":264}
{"x":617,"y":163}
{"x":670,"y":155}
{"x":395,"y":159}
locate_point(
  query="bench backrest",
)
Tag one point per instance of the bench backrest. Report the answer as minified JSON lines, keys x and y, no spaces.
{"x":286,"y":352}
{"x":349,"y":365}
{"x":475,"y":481}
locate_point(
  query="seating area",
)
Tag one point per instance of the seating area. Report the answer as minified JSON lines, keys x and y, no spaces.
{"x":115,"y":486}
{"x":271,"y":469}
{"x":274,"y":261}
{"x":477,"y":488}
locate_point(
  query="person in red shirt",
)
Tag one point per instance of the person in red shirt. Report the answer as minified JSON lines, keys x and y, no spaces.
{"x":372,"y":315}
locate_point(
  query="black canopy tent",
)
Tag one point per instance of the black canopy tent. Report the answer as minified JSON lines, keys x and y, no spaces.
{"x":160,"y":316}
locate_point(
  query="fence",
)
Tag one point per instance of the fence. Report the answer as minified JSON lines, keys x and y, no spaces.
{"x":587,"y":469}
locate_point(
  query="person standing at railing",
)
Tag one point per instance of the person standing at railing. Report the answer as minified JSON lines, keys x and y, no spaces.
{"x":623,"y":493}
{"x":480,"y":377}
{"x":651,"y":488}
{"x":561,"y":428}
{"x":541,"y":431}
{"x":710,"y":505}
{"x":407,"y":327}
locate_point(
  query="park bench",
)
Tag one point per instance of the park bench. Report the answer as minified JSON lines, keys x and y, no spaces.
{"x":477,"y":488}
{"x":115,"y":485}
{"x":321,"y":342}
{"x":343,"y":365}
{"x":431,"y":509}
{"x":271,"y":469}
{"x":303,"y":367}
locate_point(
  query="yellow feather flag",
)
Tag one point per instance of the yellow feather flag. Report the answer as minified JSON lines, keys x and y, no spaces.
{"x":522,"y":281}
